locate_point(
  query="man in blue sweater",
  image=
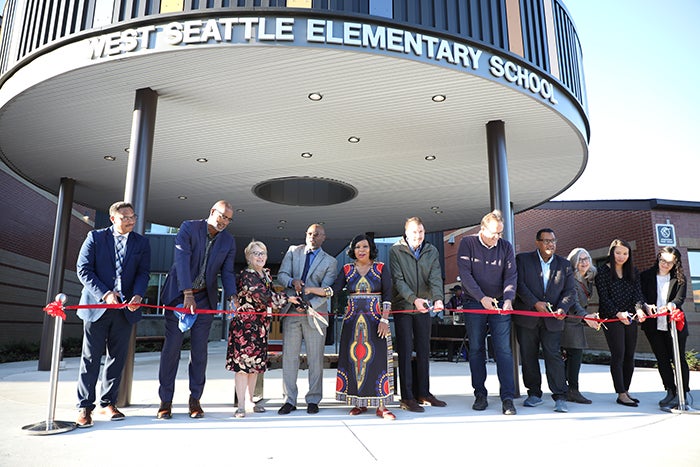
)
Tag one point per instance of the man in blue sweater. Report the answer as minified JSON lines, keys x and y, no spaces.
{"x":489,"y":278}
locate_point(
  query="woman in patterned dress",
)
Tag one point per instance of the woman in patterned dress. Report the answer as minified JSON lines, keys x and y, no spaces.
{"x":365,"y":375}
{"x":247,"y":339}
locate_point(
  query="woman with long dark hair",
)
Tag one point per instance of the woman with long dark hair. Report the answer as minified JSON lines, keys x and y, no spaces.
{"x":621,"y":297}
{"x":664,"y":285}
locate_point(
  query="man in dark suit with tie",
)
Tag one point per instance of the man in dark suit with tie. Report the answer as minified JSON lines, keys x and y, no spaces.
{"x":545,"y":284}
{"x":113,"y":266}
{"x":305,"y":265}
{"x":203,"y":250}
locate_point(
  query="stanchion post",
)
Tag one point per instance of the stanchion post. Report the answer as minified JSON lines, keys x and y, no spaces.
{"x":51,"y":426}
{"x":680,"y":387}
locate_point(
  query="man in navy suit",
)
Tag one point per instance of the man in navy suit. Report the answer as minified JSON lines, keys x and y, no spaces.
{"x":113,"y":266}
{"x":203,"y":250}
{"x":545,"y":284}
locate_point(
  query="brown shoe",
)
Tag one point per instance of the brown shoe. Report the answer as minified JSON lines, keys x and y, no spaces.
{"x":112,"y":412}
{"x":411,"y":405}
{"x":84,"y":418}
{"x":165,"y":411}
{"x":195,"y":409}
{"x":432,"y":400}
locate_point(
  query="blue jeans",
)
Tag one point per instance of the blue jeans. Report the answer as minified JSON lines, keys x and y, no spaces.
{"x":499,"y":326}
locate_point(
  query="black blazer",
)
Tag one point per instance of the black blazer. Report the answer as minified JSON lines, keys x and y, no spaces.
{"x":676,"y":294}
{"x":561,"y":289}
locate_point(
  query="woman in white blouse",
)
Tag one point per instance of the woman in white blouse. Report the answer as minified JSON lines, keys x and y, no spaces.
{"x":662,"y":285}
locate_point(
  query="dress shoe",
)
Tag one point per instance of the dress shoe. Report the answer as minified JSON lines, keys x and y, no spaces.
{"x":112,"y":412}
{"x":508,"y":407}
{"x":286,"y":408}
{"x":84,"y":418}
{"x":574,"y":396}
{"x":560,"y":406}
{"x":383,"y":412}
{"x":358,"y":410}
{"x":411,"y":405}
{"x":165,"y":411}
{"x":259,"y":409}
{"x":432,"y":400}
{"x":312,"y":408}
{"x":533,"y":401}
{"x":633,"y":398}
{"x":195,"y":409}
{"x":667,"y":400}
{"x":240,"y":413}
{"x":480,"y":403}
{"x":631,"y":403}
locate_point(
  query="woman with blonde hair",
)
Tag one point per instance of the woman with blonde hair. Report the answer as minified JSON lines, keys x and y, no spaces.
{"x":573,"y":340}
{"x":246,"y":354}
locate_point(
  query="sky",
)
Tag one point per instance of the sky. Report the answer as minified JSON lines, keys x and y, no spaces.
{"x":642,"y":65}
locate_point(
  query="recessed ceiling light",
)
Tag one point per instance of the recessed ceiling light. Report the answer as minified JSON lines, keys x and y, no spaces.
{"x":306,"y":155}
{"x":202,"y":159}
{"x":110,"y":158}
{"x":280,"y":227}
{"x":315,"y":96}
{"x":286,"y":239}
{"x":430,"y":158}
{"x":320,"y":223}
{"x":353,"y":139}
{"x":434,"y":208}
{"x":438,"y":212}
{"x":240,"y":210}
{"x":439,"y":98}
{"x":182,"y":197}
{"x":282,"y":221}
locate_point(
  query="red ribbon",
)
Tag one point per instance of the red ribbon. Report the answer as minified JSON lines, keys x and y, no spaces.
{"x":55,"y":309}
{"x":678,"y":317}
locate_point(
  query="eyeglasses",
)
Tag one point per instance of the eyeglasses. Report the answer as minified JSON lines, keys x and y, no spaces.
{"x":548,"y":241}
{"x":223,"y":216}
{"x":127,"y":218}
{"x":313,"y":234}
{"x":258,"y":254}
{"x":584,"y":260}
{"x":667,"y":263}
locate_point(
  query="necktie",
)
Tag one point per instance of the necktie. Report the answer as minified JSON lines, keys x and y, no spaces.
{"x":307,"y":263}
{"x":118,"y":261}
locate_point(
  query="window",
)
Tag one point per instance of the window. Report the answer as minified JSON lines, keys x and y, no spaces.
{"x":693,"y":271}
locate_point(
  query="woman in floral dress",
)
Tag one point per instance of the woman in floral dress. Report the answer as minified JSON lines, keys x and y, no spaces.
{"x":247,"y":339}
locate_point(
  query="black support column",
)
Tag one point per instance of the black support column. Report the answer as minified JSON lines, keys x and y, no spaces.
{"x":64,"y":208}
{"x":500,"y":199}
{"x":138,"y":179}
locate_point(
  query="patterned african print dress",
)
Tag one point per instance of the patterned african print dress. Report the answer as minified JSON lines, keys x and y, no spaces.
{"x":248,"y":331}
{"x":365,"y":370}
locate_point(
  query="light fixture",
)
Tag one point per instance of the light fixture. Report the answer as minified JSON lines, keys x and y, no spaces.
{"x":202,"y":160}
{"x":286,"y":239}
{"x":306,"y":155}
{"x":110,"y":158}
{"x":182,"y":197}
{"x":240,"y":210}
{"x":439,"y":98}
{"x":320,"y":223}
{"x":353,"y":139}
{"x":430,"y":158}
{"x":315,"y":96}
{"x":280,"y":227}
{"x":438,"y":212}
{"x":434,"y":208}
{"x":282,"y":221}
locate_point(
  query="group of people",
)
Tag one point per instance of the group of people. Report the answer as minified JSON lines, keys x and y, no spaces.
{"x":114,"y":264}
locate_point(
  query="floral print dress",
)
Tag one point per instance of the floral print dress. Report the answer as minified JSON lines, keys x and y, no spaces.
{"x":249,"y":328}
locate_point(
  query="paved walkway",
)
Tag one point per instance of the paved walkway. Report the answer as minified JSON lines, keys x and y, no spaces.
{"x":598,"y":433}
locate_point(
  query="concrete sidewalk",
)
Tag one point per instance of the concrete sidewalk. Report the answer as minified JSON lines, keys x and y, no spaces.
{"x":601,"y":432}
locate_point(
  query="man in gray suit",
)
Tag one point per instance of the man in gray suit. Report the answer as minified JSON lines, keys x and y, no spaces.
{"x":305,"y":265}
{"x":545,"y":284}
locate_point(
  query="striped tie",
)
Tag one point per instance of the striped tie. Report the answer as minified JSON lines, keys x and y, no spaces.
{"x":118,"y":260}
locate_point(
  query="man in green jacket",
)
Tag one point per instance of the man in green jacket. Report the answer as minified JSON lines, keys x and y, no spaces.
{"x":417,"y":277}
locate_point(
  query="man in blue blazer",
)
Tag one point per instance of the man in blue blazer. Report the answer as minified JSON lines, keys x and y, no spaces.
{"x":113,"y":266}
{"x":545,"y":284}
{"x":203,"y":250}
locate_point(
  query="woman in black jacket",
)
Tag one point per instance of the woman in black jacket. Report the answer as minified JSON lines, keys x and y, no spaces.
{"x":662,"y":284}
